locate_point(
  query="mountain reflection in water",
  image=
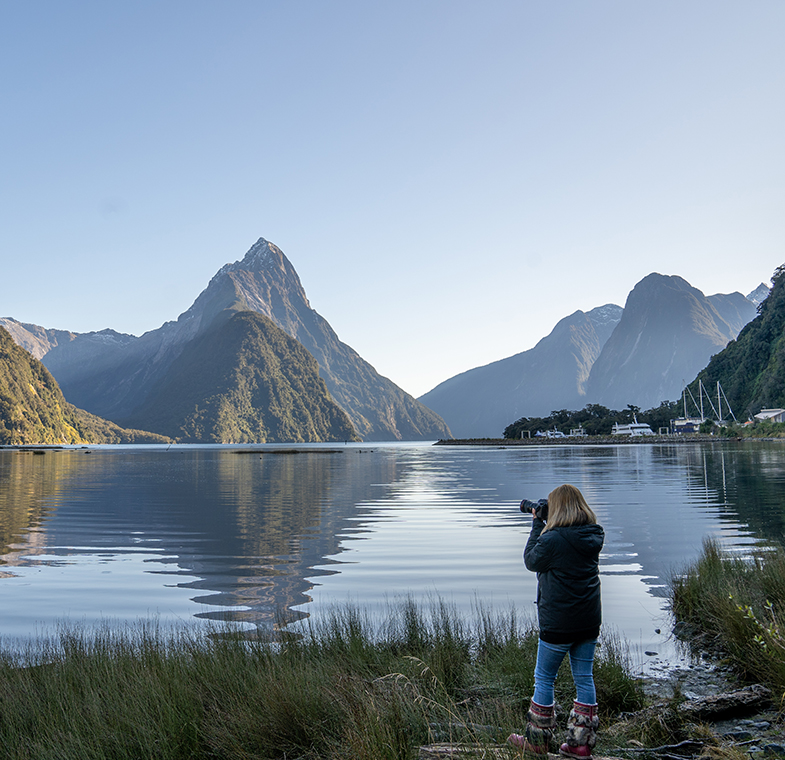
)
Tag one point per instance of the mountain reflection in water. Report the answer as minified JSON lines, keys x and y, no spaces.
{"x":184,"y":532}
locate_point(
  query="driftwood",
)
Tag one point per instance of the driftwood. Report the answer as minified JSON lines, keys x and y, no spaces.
{"x":447,"y":750}
{"x":688,"y":747}
{"x":468,"y":751}
{"x":729,"y":705}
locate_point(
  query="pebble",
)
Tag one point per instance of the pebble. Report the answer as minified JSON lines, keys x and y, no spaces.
{"x":695,"y":679}
{"x":758,"y":725}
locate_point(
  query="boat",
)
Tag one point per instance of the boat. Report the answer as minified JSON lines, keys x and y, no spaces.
{"x":634,"y":429}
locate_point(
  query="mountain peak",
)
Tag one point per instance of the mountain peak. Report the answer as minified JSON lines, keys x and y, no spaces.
{"x":759,"y":294}
{"x":660,"y":282}
{"x":668,"y":331}
{"x":610,"y":313}
{"x":261,"y":255}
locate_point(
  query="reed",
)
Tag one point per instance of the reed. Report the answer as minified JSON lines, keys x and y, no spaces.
{"x":346,"y":686}
{"x":736,"y":606}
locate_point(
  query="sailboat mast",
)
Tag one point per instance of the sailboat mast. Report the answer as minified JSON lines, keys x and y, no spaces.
{"x":719,"y":403}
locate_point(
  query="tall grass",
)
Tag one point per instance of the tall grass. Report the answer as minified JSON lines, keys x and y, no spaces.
{"x":342,"y":687}
{"x":736,"y":605}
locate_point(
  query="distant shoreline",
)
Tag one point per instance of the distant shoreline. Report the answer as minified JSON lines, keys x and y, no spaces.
{"x":591,"y":440}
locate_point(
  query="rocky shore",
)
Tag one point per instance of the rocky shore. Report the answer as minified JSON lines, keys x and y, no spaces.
{"x":743,"y":716}
{"x":740,"y":719}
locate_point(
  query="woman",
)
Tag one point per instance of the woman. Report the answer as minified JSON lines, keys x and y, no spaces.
{"x":564,"y":549}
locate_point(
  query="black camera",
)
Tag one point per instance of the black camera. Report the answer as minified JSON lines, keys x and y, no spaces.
{"x":540,"y":508}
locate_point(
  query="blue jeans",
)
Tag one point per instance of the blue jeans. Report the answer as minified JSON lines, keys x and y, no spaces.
{"x":549,"y":658}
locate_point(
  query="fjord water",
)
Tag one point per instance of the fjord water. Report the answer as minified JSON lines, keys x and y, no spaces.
{"x":183,"y":533}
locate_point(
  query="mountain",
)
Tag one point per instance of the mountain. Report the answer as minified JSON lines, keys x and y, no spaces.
{"x":669,"y":330}
{"x":243,"y":380}
{"x":33,"y":409}
{"x":639,"y":355}
{"x":734,"y":308}
{"x":751,"y":369}
{"x":480,"y":403}
{"x":34,"y":339}
{"x":112,"y":374}
{"x":759,"y":294}
{"x":265,"y":281}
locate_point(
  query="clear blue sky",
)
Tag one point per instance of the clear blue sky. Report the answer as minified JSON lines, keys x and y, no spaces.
{"x":448,"y":178}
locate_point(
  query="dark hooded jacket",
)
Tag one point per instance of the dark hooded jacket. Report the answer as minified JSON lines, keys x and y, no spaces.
{"x":566,"y":560}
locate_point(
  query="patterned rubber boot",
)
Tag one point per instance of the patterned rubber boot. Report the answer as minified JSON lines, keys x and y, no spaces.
{"x":539,"y":730}
{"x":582,"y":728}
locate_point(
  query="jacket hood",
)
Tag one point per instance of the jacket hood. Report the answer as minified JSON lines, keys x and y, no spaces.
{"x":586,"y":539}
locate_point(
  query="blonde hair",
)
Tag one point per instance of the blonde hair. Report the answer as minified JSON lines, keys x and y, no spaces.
{"x":566,"y":506}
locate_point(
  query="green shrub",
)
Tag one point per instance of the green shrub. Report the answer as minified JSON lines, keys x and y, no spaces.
{"x":736,"y":605}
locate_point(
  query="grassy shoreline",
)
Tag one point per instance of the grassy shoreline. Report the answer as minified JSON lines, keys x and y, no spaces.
{"x":349,"y":687}
{"x":342,"y":688}
{"x":735,"y":607}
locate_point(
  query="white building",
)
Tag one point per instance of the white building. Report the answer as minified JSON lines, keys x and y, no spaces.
{"x":771,"y":415}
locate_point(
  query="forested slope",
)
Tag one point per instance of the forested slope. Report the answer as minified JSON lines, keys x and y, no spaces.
{"x":33,"y":409}
{"x":244,"y":380}
{"x":751,"y":369}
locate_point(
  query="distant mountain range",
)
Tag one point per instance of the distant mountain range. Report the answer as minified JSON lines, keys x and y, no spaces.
{"x":480,"y":403}
{"x":641,"y":355}
{"x":121,"y":377}
{"x":250,"y":360}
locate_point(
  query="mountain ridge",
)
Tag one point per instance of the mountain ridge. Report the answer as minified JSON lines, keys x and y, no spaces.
{"x":481,"y":402}
{"x":244,"y":380}
{"x":111,"y":374}
{"x":668,"y":331}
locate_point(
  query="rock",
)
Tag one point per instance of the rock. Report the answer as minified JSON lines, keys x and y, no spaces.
{"x":720,"y":706}
{"x":739,"y":736}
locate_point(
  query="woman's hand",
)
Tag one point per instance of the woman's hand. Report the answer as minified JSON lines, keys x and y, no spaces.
{"x":538,"y":509}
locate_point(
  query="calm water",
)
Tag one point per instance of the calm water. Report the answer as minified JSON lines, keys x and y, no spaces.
{"x":206,"y":532}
